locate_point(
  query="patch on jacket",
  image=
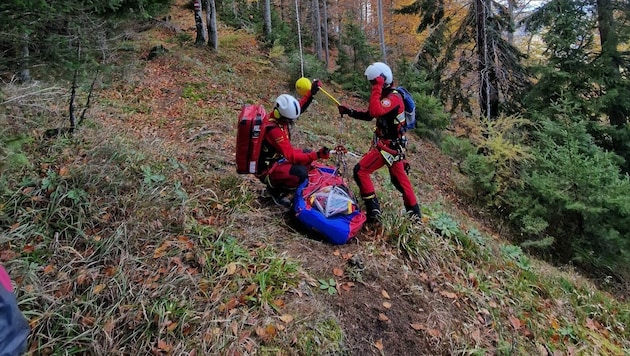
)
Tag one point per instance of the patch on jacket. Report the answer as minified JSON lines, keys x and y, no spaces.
{"x":386,"y":102}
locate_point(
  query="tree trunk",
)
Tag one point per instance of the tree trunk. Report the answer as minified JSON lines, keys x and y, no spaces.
{"x":201,"y":30}
{"x":25,"y":73}
{"x":327,"y":53}
{"x":511,"y":9}
{"x":211,"y":20}
{"x":381,"y":29}
{"x":488,"y":94}
{"x":317,"y":30}
{"x":611,"y":59}
{"x":267,"y":19}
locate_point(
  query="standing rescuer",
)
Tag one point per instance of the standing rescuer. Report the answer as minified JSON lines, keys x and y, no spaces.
{"x":388,"y":145}
{"x":283,"y":166}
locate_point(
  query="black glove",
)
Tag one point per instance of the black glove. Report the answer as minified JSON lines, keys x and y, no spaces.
{"x":315,"y":86}
{"x":344,"y":110}
{"x":323,"y":153}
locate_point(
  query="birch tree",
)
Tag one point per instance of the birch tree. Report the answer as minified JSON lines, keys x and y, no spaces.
{"x":211,"y":20}
{"x":267,"y":18}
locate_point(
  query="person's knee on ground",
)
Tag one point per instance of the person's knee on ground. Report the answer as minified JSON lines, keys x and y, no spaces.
{"x":300,"y":172}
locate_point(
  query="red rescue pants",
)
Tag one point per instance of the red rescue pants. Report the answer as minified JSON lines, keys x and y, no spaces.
{"x":372,"y":161}
{"x":285,"y":175}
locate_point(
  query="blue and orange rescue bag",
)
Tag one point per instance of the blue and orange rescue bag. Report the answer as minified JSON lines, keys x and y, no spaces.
{"x":325,"y":205}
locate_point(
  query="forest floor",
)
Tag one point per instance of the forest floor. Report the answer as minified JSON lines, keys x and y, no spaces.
{"x":390,"y":305}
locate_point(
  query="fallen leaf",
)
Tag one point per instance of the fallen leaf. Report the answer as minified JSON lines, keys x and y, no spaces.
{"x":417,"y":326}
{"x":231,"y":268}
{"x":98,"y":288}
{"x":64,"y":172}
{"x":434,"y":332}
{"x":336,"y":253}
{"x":271,"y":331}
{"x":449,"y":295}
{"x":346,"y":256}
{"x":162,"y":249}
{"x":172,"y":326}
{"x":249,"y":346}
{"x":591,"y":324}
{"x":109,"y":326}
{"x":338,"y":272}
{"x":516,"y":322}
{"x":278,"y":302}
{"x":110,"y":271}
{"x":382,"y":317}
{"x":231,"y":304}
{"x":379,"y":344}
{"x":162,"y":345}
{"x":385,"y":294}
{"x":87,"y":320}
{"x":251,"y":289}
{"x":286,"y":318}
{"x":387,"y":305}
{"x":49,"y":269}
{"x":234,"y":327}
{"x":476,"y":335}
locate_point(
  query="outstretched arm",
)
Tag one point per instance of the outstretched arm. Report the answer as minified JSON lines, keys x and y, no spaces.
{"x":280,"y":141}
{"x":360,"y":115}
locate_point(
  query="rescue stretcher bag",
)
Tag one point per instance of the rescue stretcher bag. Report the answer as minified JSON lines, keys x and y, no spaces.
{"x":325,"y":205}
{"x":252,"y":122}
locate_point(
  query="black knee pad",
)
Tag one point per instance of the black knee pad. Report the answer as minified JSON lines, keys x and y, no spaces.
{"x":301,"y":172}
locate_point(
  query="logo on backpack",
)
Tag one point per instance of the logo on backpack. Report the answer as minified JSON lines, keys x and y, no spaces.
{"x":410,"y":107}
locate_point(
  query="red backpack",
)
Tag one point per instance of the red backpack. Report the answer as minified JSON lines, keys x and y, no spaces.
{"x":250,"y":133}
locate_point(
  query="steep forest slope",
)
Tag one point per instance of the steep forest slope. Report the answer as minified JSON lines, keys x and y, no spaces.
{"x":177,"y":254}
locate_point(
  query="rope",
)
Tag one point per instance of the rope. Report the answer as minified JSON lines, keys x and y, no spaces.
{"x":341,"y":164}
{"x":297,"y":21}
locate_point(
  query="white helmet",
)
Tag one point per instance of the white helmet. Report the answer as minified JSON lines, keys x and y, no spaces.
{"x":288,"y":107}
{"x":379,"y":68}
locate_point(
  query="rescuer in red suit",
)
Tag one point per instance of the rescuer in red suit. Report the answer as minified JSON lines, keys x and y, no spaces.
{"x":388,"y":145}
{"x":283,"y":166}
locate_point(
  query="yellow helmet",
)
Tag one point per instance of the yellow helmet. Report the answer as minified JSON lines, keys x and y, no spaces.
{"x":302,"y":86}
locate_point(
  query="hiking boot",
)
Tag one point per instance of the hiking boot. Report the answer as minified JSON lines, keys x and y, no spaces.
{"x":278,"y":197}
{"x":414,"y":214}
{"x":373,"y":211}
